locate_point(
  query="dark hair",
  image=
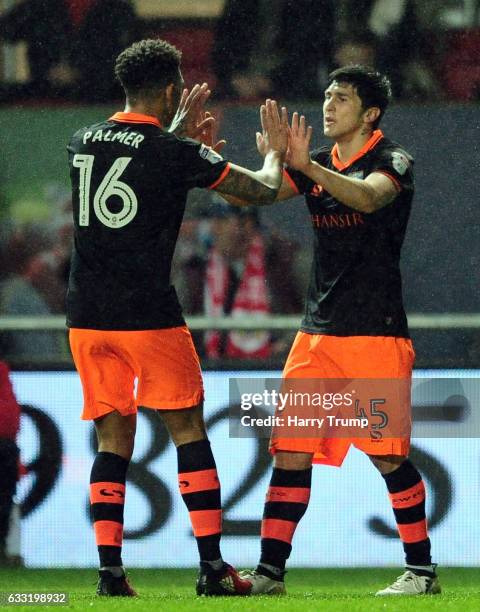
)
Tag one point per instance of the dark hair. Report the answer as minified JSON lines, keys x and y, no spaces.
{"x":147,"y":65}
{"x":373,"y":87}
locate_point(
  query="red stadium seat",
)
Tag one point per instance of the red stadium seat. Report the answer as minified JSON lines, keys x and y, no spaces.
{"x":196,"y":45}
{"x":461,"y":69}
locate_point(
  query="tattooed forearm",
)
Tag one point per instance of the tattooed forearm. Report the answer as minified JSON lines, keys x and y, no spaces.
{"x":247,"y":188}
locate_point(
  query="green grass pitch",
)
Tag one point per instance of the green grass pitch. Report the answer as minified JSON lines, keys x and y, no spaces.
{"x":345,"y":590}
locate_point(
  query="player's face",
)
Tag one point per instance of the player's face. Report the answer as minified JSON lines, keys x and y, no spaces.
{"x":342,"y":111}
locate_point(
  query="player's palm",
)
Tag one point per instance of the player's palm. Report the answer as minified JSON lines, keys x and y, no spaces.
{"x":190,"y":120}
{"x":274,"y":136}
{"x":298,"y":155}
{"x":208,"y":132}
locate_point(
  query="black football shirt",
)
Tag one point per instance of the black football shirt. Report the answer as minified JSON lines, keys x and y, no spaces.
{"x":130,"y":180}
{"x":355,"y":284}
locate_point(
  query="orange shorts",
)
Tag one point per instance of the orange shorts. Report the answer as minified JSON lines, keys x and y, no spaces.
{"x":315,"y":356}
{"x":164,"y":361}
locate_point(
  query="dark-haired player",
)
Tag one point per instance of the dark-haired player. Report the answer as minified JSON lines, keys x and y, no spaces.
{"x":359,"y":195}
{"x":130,"y":177}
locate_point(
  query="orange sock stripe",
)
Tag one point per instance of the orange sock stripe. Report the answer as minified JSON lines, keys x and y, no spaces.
{"x":206,"y":522}
{"x":107,"y":493}
{"x":277,"y":529}
{"x":413,"y":532}
{"x":108,"y":533}
{"x":202,"y":480}
{"x":410,"y":497}
{"x":298,"y":495}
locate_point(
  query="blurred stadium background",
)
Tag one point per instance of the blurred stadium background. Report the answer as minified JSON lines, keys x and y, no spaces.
{"x":436,"y":116}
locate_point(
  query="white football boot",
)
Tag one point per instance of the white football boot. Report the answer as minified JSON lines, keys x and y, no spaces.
{"x":263,"y":585}
{"x":412,"y":584}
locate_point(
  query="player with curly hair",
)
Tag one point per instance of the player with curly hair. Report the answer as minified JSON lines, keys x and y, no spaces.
{"x":130,"y":177}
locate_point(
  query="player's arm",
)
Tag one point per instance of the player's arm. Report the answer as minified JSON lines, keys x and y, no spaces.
{"x":285,"y":192}
{"x":261,"y":187}
{"x":237,"y":182}
{"x":243,"y":187}
{"x":367,"y":195}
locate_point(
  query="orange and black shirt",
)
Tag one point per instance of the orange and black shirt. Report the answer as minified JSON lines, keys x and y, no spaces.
{"x":130,"y":180}
{"x":355,"y":285}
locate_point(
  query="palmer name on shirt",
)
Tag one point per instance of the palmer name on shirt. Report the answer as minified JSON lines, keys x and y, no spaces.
{"x":132,"y":139}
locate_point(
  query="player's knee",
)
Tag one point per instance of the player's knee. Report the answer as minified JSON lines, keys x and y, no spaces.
{"x":293,"y":461}
{"x":185,"y":426}
{"x":116,"y":434}
{"x":119,"y":443}
{"x":387,"y":463}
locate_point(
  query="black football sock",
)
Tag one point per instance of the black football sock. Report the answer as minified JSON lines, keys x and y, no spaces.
{"x":200,"y":490}
{"x":407,"y":496}
{"x":286,"y":503}
{"x":107,"y":498}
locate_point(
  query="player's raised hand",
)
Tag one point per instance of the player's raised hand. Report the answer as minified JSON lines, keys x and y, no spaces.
{"x":298,"y":155}
{"x":274,"y":135}
{"x":190,"y":120}
{"x":208,"y":133}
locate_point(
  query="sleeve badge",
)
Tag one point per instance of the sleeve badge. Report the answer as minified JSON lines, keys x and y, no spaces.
{"x":400,"y":162}
{"x":209,"y":154}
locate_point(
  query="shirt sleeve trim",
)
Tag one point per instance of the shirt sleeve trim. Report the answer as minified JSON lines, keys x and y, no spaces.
{"x":222,"y":177}
{"x":394,"y":180}
{"x":290,"y":181}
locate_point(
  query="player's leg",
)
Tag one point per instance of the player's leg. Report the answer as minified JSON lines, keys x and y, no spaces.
{"x":170,"y":381}
{"x":289,"y":490}
{"x":115,"y":434}
{"x":407,"y":495}
{"x":286,"y":503}
{"x":107,"y":384}
{"x":392,"y":359}
{"x":199,"y":487}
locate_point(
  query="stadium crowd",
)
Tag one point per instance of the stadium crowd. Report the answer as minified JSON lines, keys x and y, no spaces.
{"x":427,"y":49}
{"x":251,"y":49}
{"x":34,"y":276}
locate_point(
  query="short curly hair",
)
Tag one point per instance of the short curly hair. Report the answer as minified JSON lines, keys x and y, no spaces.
{"x":148,"y":64}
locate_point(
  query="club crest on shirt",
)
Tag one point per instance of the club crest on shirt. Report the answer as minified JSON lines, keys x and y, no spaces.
{"x":209,"y":154}
{"x":400,"y":162}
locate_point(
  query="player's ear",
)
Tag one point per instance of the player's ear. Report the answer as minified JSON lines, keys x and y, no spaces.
{"x":371,"y":114}
{"x":170,"y":95}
